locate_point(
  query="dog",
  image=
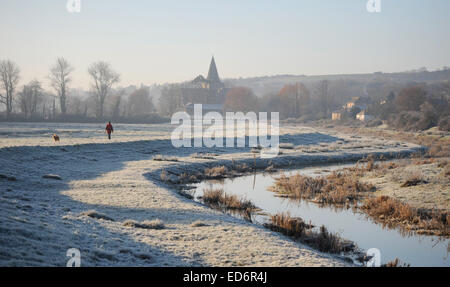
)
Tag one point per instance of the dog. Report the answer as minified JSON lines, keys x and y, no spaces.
{"x":55,"y":137}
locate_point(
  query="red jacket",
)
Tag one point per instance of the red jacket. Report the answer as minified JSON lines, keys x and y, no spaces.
{"x":109,"y":128}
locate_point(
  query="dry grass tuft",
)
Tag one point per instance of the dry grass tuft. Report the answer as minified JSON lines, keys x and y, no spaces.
{"x":396,"y":263}
{"x":147,"y":224}
{"x":160,"y":157}
{"x":10,"y":178}
{"x":152,"y":224}
{"x":216,"y":172}
{"x":198,"y":223}
{"x":336,"y":188}
{"x":447,"y":170}
{"x":103,"y":254}
{"x":286,"y":146}
{"x":219,"y":198}
{"x":393,"y":212}
{"x":414,"y":179}
{"x":163,"y":175}
{"x":443,"y":164}
{"x":242,"y":167}
{"x":96,"y":215}
{"x":204,"y":155}
{"x":287,"y":225}
{"x":388,"y":207}
{"x":323,"y":240}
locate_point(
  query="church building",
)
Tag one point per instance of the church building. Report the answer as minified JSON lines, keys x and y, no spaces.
{"x":209,"y":91}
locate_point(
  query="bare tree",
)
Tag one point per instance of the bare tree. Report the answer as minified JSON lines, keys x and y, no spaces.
{"x":170,"y":100}
{"x":294,"y":100}
{"x":140,"y":102}
{"x":116,"y":108}
{"x":9,"y":74}
{"x":323,"y":96}
{"x":411,"y":98}
{"x":74,"y":105}
{"x":241,"y":99}
{"x":30,"y":97}
{"x":117,"y":104}
{"x":103,"y":78}
{"x":60,"y":78}
{"x":54,"y":109}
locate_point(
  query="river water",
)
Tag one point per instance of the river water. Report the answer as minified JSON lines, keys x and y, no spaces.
{"x":417,"y":250}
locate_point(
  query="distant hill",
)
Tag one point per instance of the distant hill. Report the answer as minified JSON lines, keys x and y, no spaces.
{"x":262,"y":85}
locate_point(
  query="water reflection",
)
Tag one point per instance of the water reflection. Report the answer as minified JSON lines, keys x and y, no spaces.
{"x":417,"y":250}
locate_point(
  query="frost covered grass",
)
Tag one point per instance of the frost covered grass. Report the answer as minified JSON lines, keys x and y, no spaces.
{"x":393,"y":212}
{"x":146,"y":224}
{"x":438,"y":146}
{"x":322,"y":240}
{"x":119,"y":176}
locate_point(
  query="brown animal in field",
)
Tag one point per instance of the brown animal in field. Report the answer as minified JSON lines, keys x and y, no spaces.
{"x":55,"y":137}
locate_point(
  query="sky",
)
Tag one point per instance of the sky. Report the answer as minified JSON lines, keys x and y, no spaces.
{"x":172,"y":41}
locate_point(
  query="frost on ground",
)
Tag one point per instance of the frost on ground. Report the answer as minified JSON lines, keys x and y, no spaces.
{"x":108,"y":192}
{"x":428,"y":188}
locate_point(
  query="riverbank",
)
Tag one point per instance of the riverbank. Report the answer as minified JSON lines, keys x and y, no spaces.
{"x":430,"y":169}
{"x":120,"y":181}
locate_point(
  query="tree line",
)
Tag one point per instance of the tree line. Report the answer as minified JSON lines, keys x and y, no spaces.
{"x":410,"y":106}
{"x":413,"y":106}
{"x":103,"y":101}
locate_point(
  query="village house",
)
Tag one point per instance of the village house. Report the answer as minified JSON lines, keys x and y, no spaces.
{"x":337,"y":115}
{"x":356,"y":102}
{"x":355,"y":105}
{"x":363,"y":116}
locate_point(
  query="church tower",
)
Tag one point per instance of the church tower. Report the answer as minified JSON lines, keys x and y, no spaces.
{"x":213,"y":76}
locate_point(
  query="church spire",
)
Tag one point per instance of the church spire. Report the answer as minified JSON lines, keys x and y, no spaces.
{"x":213,"y":76}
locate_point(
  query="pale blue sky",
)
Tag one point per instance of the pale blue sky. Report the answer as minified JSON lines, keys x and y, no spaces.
{"x":171,"y":41}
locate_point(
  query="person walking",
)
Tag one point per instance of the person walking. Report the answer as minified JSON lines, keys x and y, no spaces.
{"x":109,"y":129}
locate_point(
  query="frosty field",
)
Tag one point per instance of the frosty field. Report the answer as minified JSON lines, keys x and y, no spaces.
{"x":43,"y":217}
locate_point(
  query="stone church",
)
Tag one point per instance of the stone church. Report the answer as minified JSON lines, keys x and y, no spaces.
{"x":209,"y":91}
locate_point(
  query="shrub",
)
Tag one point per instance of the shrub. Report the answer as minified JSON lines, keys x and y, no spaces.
{"x":444,"y":124}
{"x":323,"y":240}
